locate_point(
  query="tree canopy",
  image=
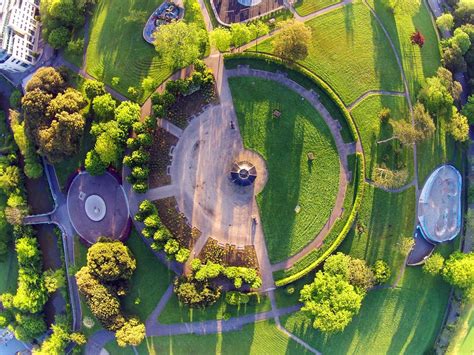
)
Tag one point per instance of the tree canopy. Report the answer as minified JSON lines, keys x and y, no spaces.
{"x":292,"y":42}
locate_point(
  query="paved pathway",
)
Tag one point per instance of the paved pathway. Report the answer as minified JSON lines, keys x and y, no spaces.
{"x":160,"y":192}
{"x":170,"y":127}
{"x":371,"y":93}
{"x":316,"y":13}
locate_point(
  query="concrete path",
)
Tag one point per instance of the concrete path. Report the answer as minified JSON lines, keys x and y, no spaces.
{"x":316,"y":13}
{"x":97,"y":341}
{"x":170,"y":127}
{"x":372,"y":93}
{"x":160,"y":192}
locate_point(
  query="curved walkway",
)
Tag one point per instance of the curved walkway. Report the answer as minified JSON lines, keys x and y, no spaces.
{"x":372,"y":93}
{"x":342,"y":148}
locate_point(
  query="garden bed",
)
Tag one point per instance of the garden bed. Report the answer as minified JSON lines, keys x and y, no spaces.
{"x":176,"y":222}
{"x":228,"y":254}
{"x":190,"y":105}
{"x":160,"y":158}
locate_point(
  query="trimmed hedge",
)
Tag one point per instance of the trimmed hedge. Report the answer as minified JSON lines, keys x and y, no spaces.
{"x":306,"y":72}
{"x":355,"y":209}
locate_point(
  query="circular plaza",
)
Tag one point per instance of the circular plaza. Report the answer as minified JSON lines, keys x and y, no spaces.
{"x":97,"y":207}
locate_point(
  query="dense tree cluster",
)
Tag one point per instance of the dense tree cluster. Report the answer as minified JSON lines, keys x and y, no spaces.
{"x":238,"y":34}
{"x":457,"y":270}
{"x":238,"y":274}
{"x":60,"y":18}
{"x":111,"y":130}
{"x":60,"y":337}
{"x":336,"y":293}
{"x":22,"y":311}
{"x":196,"y":294}
{"x":156,"y":230}
{"x":139,"y":157}
{"x":52,"y":114}
{"x":110,"y":265}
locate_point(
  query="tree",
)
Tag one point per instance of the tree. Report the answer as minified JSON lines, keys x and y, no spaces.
{"x":127,"y":113}
{"x":424,"y":125}
{"x":452,"y":58}
{"x":434,"y":264}
{"x":221,"y":38}
{"x":435,"y":96}
{"x":445,"y":22}
{"x":28,"y":326}
{"x":459,"y":126}
{"x":338,"y":264}
{"x":131,"y":334}
{"x":179,"y":43}
{"x":59,"y":37}
{"x":468,"y":109}
{"x":46,"y":79}
{"x":195,"y":294}
{"x":459,"y":270}
{"x":94,"y":164}
{"x":360,"y":275}
{"x":104,"y":106}
{"x":461,"y":39}
{"x":331,"y":300}
{"x":464,"y":12}
{"x":381,"y":272}
{"x":149,"y":83}
{"x":58,"y":340}
{"x":94,"y":88}
{"x":15,"y":99}
{"x":406,"y":245}
{"x":446,"y":77}
{"x":291,"y":43}
{"x":240,"y":34}
{"x":110,"y":261}
{"x":417,"y":38}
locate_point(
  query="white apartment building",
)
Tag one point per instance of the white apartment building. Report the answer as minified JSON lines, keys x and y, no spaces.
{"x":19,"y":34}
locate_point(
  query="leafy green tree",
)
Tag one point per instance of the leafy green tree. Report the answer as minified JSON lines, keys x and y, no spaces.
{"x":127,"y":113}
{"x":445,"y":22}
{"x":464,"y":12}
{"x":461,"y":39}
{"x":104,"y":106}
{"x":28,"y":326}
{"x":332,"y":300}
{"x":459,"y":270}
{"x":110,"y":261}
{"x":221,"y":38}
{"x":149,"y":84}
{"x":179,"y":43}
{"x":360,"y":275}
{"x":434,"y":264}
{"x":94,"y":88}
{"x":240,"y":34}
{"x":381,"y":272}
{"x":435,"y":96}
{"x":182,"y":255}
{"x":131,"y":334}
{"x":338,"y":264}
{"x":459,"y":126}
{"x":94,"y":164}
{"x":195,"y":294}
{"x":292,"y":42}
{"x":58,"y":340}
{"x":48,"y":80}
{"x":15,"y":99}
{"x":452,"y":58}
{"x":468,"y":109}
{"x":59,"y":37}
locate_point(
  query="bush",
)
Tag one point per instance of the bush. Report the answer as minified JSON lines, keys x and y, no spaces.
{"x":15,"y":99}
{"x":235,"y":298}
{"x":381,"y":272}
{"x":59,"y":37}
{"x":434,"y":264}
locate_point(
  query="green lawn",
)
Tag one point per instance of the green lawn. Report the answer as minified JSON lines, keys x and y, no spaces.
{"x":391,"y":321}
{"x":149,"y":281}
{"x":350,"y":52}
{"x":258,"y":338}
{"x":8,"y":263}
{"x":306,"y":7}
{"x":117,"y":48}
{"x":384,"y":219}
{"x":462,"y":342}
{"x":284,"y":143}
{"x":372,"y":130}
{"x":418,"y":63}
{"x":176,"y":313}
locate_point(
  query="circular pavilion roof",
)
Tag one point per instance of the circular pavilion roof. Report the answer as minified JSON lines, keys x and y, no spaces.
{"x":97,"y":207}
{"x":243,"y":173}
{"x":249,"y":2}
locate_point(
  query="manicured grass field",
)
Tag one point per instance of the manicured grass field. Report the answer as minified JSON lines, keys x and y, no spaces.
{"x":8,"y":263}
{"x":176,"y":313}
{"x":306,"y":7}
{"x":116,"y":46}
{"x":284,"y":143}
{"x":350,"y":52}
{"x":383,"y":220}
{"x":462,"y":342}
{"x":258,"y":338}
{"x":391,"y":321}
{"x":418,"y":63}
{"x":372,"y":130}
{"x":149,"y":281}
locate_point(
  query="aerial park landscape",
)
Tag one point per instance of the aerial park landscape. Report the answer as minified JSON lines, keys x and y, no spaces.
{"x":237,"y":177}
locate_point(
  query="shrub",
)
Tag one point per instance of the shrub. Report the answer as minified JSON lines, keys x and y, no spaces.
{"x":235,"y":298}
{"x":381,"y":272}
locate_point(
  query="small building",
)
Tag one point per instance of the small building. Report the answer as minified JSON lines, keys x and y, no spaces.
{"x":20,"y":34}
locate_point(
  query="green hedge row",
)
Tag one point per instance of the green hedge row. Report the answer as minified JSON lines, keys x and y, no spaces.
{"x":360,"y":169}
{"x":306,"y":72}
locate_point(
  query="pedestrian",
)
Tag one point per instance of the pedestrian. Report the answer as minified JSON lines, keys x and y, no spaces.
{"x":232,"y":125}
